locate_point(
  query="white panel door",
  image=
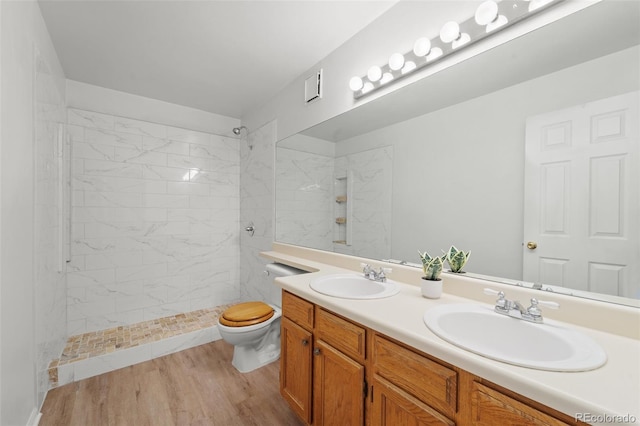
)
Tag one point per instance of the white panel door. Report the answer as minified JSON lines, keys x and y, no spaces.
{"x":582,"y":197}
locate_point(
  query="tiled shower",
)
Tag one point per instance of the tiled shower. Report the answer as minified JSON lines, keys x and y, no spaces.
{"x":141,"y":228}
{"x":155,"y":221}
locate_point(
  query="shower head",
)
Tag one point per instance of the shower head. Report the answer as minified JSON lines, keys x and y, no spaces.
{"x":237,"y":130}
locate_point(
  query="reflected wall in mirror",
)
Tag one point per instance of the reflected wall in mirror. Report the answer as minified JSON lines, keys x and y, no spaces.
{"x":442,"y":161}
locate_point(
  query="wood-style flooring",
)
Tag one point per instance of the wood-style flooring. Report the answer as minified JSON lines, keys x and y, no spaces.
{"x":197,"y":386}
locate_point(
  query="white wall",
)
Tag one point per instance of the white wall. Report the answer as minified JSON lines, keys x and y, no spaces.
{"x":107,"y":101}
{"x":148,"y":239}
{"x":24,"y":36}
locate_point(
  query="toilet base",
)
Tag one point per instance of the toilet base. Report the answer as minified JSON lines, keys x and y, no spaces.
{"x":246,"y":359}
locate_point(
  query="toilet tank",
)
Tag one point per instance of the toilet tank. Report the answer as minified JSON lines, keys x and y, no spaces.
{"x":274,"y":270}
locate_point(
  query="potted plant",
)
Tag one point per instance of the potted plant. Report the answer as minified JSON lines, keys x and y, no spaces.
{"x":457,"y":259}
{"x":431,"y":282}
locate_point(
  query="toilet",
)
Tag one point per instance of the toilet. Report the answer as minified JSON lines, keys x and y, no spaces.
{"x":254,"y":327}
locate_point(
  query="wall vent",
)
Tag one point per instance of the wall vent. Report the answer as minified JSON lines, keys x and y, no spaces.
{"x":313,"y":87}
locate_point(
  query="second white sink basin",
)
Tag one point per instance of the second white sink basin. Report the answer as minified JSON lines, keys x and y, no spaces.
{"x":354,"y":286}
{"x":548,"y":346}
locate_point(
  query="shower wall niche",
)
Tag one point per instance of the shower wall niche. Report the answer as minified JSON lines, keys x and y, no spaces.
{"x":365,"y":178}
{"x":342,"y":189}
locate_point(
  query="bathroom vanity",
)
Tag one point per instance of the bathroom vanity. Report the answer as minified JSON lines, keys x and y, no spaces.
{"x":334,"y":369}
{"x":375,"y":362}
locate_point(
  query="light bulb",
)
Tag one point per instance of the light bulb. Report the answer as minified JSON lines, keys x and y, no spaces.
{"x":355,"y":84}
{"x":408,"y":67}
{"x":486,"y":13}
{"x":421,"y":47}
{"x":460,"y":41}
{"x":500,"y":21}
{"x":396,"y":61}
{"x":367,"y":87}
{"x":435,"y":53}
{"x":450,"y":32}
{"x":386,"y":77}
{"x":374,"y":73}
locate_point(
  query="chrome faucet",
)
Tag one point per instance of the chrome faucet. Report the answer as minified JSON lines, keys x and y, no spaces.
{"x":373,"y":275}
{"x":514,"y":308}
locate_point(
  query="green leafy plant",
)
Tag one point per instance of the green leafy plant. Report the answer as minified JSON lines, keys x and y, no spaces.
{"x":456,"y":259}
{"x":432,"y":266}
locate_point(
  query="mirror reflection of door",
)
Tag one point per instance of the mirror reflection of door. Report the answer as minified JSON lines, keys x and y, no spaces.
{"x":584,"y":237}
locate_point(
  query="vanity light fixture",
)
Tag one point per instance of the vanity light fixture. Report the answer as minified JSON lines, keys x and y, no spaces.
{"x":490,"y":17}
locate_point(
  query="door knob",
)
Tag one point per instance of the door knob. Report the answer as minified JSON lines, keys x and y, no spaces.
{"x":532,"y":245}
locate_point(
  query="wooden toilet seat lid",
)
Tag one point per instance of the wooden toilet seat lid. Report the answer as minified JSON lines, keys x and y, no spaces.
{"x":244,"y":314}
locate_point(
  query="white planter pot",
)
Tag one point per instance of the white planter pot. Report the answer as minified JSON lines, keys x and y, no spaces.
{"x":431,"y":289}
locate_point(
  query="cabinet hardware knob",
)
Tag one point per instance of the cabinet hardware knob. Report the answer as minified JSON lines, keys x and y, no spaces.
{"x":316,"y":351}
{"x":305,"y":342}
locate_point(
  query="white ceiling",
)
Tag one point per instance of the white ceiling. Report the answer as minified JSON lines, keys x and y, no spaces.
{"x":225,"y":57}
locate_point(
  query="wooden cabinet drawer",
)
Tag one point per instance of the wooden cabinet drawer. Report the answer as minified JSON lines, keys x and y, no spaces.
{"x":431,"y":382}
{"x":340,"y":333}
{"x":491,"y":407}
{"x":393,"y":407}
{"x":297,"y":310}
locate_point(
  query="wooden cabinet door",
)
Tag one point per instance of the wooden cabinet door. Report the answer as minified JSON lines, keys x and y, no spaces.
{"x":490,"y":407}
{"x":392,"y":407}
{"x":295,"y":368}
{"x":338,"y":388}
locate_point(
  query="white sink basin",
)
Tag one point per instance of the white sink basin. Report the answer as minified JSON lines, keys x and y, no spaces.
{"x":354,"y":286}
{"x":548,"y":346}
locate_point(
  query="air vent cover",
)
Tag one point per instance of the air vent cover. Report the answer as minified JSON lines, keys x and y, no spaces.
{"x":313,"y":87}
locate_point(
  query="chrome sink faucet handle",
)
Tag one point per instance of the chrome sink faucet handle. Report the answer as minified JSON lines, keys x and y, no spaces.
{"x":501,"y":303}
{"x":381,"y":275}
{"x":535,"y":312}
{"x":367,"y":270}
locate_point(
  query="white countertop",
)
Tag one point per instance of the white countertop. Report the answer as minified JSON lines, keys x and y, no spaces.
{"x":613,"y":389}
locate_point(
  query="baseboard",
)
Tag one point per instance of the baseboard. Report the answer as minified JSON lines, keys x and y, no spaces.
{"x":34,"y":418}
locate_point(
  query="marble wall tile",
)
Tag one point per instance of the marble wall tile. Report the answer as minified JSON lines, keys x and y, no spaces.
{"x":305,"y":197}
{"x":90,"y":119}
{"x":137,"y":127}
{"x":155,"y":221}
{"x":190,"y":136}
{"x":165,"y":145}
{"x":256,"y":206}
{"x":112,"y":138}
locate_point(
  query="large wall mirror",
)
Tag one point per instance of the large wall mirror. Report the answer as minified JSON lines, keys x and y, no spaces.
{"x":474,"y":156}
